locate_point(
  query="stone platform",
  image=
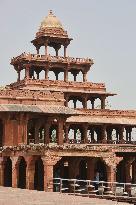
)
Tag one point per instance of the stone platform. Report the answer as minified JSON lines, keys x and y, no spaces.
{"x":10,"y":196}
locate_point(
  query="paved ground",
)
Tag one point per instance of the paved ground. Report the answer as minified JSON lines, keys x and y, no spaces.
{"x":9,"y":196}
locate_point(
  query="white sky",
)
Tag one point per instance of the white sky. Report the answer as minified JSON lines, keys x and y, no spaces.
{"x":104,"y":30}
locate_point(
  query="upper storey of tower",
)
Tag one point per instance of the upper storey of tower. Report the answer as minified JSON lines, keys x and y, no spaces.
{"x":51,"y":33}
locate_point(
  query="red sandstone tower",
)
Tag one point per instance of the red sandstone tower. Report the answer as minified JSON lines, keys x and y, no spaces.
{"x":42,"y":137}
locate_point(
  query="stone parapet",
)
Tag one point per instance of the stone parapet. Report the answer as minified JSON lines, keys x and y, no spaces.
{"x":25,"y":57}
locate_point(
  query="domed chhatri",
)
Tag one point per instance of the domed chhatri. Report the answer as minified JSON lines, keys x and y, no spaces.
{"x":51,"y":26}
{"x":51,"y":21}
{"x":51,"y":33}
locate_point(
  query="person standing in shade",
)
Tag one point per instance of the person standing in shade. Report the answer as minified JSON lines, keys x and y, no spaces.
{"x":96,"y":179}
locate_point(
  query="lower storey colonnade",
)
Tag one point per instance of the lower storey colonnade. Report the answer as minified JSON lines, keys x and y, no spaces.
{"x":37,"y":173}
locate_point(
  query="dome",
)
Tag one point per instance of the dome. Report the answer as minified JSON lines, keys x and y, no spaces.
{"x":51,"y":21}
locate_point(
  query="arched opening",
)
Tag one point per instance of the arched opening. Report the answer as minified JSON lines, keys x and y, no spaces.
{"x":100,"y":167}
{"x":51,"y":75}
{"x":39,"y":175}
{"x":22,"y":173}
{"x":31,"y":131}
{"x":53,"y":133}
{"x":79,"y":77}
{"x":61,"y":170}
{"x":120,"y":175}
{"x":83,"y":170}
{"x":41,"y":134}
{"x":1,"y":133}
{"x":97,"y":104}
{"x":42,"y":75}
{"x":8,"y":173}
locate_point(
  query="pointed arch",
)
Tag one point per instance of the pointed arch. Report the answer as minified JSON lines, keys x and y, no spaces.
{"x":39,"y":175}
{"x":22,"y":173}
{"x":8,"y":172}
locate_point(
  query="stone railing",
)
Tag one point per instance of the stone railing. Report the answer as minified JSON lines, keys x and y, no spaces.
{"x":12,"y":93}
{"x":58,"y":84}
{"x":49,"y":58}
{"x":107,"y":112}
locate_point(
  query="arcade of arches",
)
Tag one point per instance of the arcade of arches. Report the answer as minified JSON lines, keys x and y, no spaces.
{"x":37,"y":172}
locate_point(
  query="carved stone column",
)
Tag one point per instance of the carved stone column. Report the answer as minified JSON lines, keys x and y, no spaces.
{"x":14,"y":172}
{"x":47,"y":132}
{"x":66,"y":101}
{"x":1,"y":171}
{"x":84,"y":76}
{"x":27,"y":68}
{"x":46,"y":73}
{"x":112,"y":161}
{"x":66,"y":75}
{"x":49,"y":161}
{"x":18,"y":72}
{"x":109,"y":134}
{"x":103,"y":134}
{"x":85,"y":129}
{"x":85,"y":102}
{"x":121,"y":136}
{"x":92,"y":102}
{"x":66,"y":133}
{"x":30,"y":170}
{"x":65,"y":49}
{"x":36,"y":133}
{"x":103,"y":102}
{"x":134,"y":172}
{"x":46,"y":49}
{"x":60,"y":132}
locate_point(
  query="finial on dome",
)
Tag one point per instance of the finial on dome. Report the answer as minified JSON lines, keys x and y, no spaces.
{"x":50,"y":12}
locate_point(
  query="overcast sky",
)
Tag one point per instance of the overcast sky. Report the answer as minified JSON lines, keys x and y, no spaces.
{"x":104,"y":30}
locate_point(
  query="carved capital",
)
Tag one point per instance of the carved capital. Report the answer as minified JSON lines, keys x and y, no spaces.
{"x":112,"y":161}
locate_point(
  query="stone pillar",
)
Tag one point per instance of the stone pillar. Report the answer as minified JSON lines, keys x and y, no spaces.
{"x":27,"y":68}
{"x":49,"y":162}
{"x":46,"y":49}
{"x":66,"y":75}
{"x":47,"y":132}
{"x":66,"y":133}
{"x":30,"y":170}
{"x":90,"y":168}
{"x":14,"y":172}
{"x":1,"y":171}
{"x":66,"y":101}
{"x":65,"y":48}
{"x":103,"y":102}
{"x":85,"y":102}
{"x":37,"y":75}
{"x":134,"y":172}
{"x":57,"y":51}
{"x":103,"y":134}
{"x":46,"y":73}
{"x":36,"y":133}
{"x":127,"y":171}
{"x":57,"y":75}
{"x":92,"y":134}
{"x":121,"y":136}
{"x":111,"y":176}
{"x":22,"y":130}
{"x":37,"y":49}
{"x":60,"y":132}
{"x":92,"y":102}
{"x":109,"y":135}
{"x":84,"y":76}
{"x":75,"y":75}
{"x":74,"y":101}
{"x":85,"y":137}
{"x":18,"y":72}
